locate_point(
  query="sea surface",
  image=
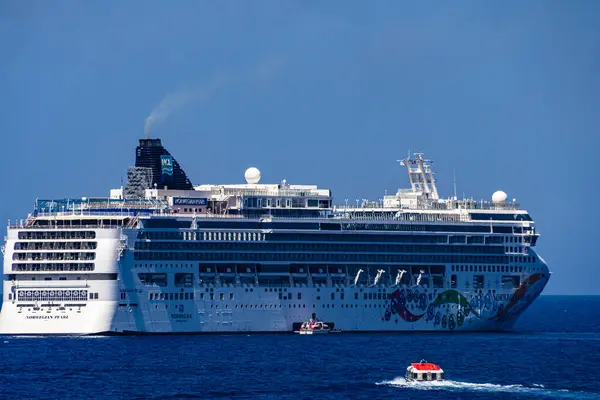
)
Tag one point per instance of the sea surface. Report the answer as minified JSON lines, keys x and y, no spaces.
{"x":554,"y":352}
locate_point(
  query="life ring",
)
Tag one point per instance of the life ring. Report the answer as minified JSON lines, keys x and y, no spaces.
{"x":59,"y":292}
{"x":67,"y":293}
{"x":52,"y":293}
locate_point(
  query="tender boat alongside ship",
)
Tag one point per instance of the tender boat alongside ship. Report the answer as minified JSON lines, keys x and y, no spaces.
{"x":161,"y":255}
{"x":313,"y":327}
{"x":424,"y":371}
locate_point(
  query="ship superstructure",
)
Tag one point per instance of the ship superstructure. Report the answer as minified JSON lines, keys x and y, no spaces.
{"x":161,"y":255}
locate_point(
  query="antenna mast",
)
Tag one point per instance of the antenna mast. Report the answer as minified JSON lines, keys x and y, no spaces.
{"x":455,"y":198}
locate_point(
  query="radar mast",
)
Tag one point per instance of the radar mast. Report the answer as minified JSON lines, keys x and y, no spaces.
{"x":420,"y":175}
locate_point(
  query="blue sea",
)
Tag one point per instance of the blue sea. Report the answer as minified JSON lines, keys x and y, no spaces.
{"x":554,"y":352}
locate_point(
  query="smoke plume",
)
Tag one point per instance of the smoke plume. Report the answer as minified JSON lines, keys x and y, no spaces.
{"x":174,"y":101}
{"x":263,"y":71}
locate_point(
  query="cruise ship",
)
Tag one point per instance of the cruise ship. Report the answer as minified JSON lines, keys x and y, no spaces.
{"x":159,"y":255}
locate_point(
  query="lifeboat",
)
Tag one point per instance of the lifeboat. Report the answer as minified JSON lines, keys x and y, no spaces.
{"x":313,"y":327}
{"x":424,"y":371}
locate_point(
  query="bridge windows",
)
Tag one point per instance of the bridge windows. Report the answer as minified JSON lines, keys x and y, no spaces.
{"x":153,"y":279}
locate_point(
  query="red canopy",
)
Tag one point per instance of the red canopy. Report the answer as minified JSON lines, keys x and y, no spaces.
{"x":426,"y":366}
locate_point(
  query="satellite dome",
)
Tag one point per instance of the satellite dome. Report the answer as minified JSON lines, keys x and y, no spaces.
{"x":499,"y":197}
{"x":252,"y":175}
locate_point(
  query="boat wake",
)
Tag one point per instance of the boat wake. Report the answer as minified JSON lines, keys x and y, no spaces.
{"x":535,"y":390}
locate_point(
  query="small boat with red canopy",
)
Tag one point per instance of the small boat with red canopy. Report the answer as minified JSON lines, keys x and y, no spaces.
{"x":314,"y":327}
{"x":424,"y":371}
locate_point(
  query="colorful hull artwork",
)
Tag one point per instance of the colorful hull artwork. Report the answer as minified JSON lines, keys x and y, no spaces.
{"x":450,"y":309}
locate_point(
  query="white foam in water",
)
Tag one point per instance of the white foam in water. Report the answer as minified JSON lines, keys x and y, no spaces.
{"x":534,"y":390}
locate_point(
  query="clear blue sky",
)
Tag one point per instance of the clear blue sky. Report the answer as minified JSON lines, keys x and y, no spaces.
{"x":332,"y":93}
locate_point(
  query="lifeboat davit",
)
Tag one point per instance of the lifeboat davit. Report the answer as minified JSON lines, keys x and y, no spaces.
{"x":424,"y":371}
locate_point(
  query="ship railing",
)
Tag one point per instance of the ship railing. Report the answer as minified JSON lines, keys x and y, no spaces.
{"x":49,"y":284}
{"x":339,"y":214}
{"x":345,"y":219}
{"x":442,"y":205}
{"x":91,"y":213}
{"x":69,"y":227}
{"x":266,"y":192}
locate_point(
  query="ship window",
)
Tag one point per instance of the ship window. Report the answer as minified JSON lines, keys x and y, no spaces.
{"x":149,"y":279}
{"x":453,"y":281}
{"x":221,"y":296}
{"x":511,"y":281}
{"x":230,"y":296}
{"x":184,"y":280}
{"x":478,"y":282}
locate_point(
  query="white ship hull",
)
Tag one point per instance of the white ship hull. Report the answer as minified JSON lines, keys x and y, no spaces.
{"x":252,"y":309}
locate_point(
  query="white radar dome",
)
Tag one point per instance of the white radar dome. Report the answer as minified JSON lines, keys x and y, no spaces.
{"x":252,"y":175}
{"x":499,"y":197}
